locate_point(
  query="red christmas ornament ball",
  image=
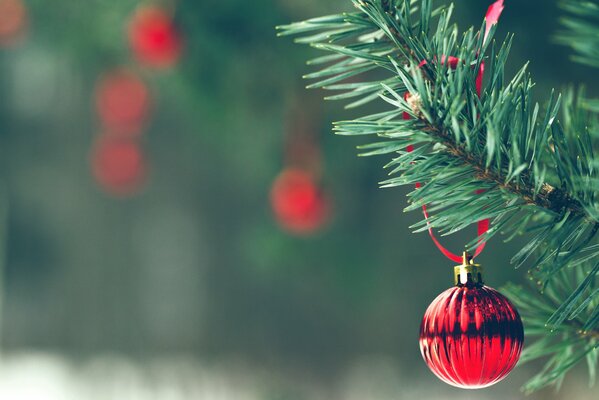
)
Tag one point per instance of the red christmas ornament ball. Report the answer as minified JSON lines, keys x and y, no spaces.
{"x":471,"y":336}
{"x":299,"y":204}
{"x":122,"y":102}
{"x":153,"y":37}
{"x":118,"y":165}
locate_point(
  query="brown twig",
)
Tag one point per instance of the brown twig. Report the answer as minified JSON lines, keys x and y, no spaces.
{"x":548,"y":197}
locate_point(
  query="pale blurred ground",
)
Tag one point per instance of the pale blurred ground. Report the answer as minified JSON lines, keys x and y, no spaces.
{"x":29,"y":376}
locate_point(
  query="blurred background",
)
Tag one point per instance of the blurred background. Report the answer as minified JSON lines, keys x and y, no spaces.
{"x":178,"y":221}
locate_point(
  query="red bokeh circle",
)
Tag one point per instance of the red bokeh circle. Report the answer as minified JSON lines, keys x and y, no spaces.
{"x":13,"y":21}
{"x":122,"y":102}
{"x":298,"y":203}
{"x":154,"y":38}
{"x":118,"y":165}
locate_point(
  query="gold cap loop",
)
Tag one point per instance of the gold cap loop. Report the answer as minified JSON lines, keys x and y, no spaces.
{"x":468,"y":272}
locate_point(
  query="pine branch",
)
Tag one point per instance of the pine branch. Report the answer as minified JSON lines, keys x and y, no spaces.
{"x":581,"y":30}
{"x":548,"y":197}
{"x":566,"y":344}
{"x":537,"y":170}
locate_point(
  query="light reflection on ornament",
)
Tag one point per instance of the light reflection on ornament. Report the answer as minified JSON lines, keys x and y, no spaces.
{"x":122,"y":102}
{"x":154,"y":38}
{"x":298,"y":203}
{"x":118,"y":165}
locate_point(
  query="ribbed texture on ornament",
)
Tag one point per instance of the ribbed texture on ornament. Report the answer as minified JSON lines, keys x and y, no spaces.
{"x":471,"y":336}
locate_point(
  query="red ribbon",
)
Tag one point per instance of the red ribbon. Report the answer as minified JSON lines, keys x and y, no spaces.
{"x":482,"y":225}
{"x":491,"y":18}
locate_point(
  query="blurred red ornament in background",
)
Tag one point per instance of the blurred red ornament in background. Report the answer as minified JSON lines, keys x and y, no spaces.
{"x":299,"y":204}
{"x":13,"y":21}
{"x":153,"y":37}
{"x":122,"y":102}
{"x":118,"y":165}
{"x":471,"y":336}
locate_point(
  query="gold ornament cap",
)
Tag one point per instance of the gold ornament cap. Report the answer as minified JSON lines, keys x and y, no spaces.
{"x":468,"y":273}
